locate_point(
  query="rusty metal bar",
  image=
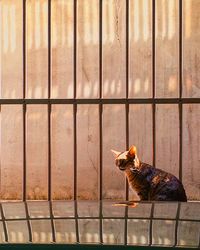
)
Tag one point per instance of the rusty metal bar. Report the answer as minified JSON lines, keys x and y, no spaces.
{"x":98,"y":218}
{"x":24,"y":191}
{"x":52,"y":222}
{"x":100,"y":124}
{"x":49,"y":104}
{"x":4,"y":223}
{"x":102,"y":101}
{"x":176,"y":224}
{"x":151,"y":224}
{"x":75,"y":104}
{"x":28,"y":222}
{"x":127,"y":87}
{"x":180,"y":89}
{"x":127,"y":116}
{"x":76,"y":221}
{"x":154,"y":80}
{"x":49,"y":154}
{"x":75,"y":120}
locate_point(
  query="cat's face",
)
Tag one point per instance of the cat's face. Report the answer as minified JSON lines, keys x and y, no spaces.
{"x":123,"y":160}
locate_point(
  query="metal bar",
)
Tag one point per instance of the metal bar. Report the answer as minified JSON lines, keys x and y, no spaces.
{"x":75,"y":150}
{"x":151,"y":224}
{"x":24,"y":192}
{"x":99,"y":218}
{"x":49,"y":49}
{"x":176,"y":224}
{"x":75,"y":47}
{"x":75,"y":122}
{"x":100,"y":48}
{"x":28,"y":222}
{"x":127,"y":88}
{"x":100,"y":151}
{"x":100,"y":124}
{"x":180,"y":90}
{"x":127,"y":49}
{"x":103,"y":101}
{"x":76,"y":221}
{"x":126,"y":181}
{"x":75,"y":104}
{"x":49,"y":154}
{"x":180,"y":140}
{"x":4,"y":223}
{"x":47,"y":246}
{"x":24,"y":48}
{"x":100,"y":98}
{"x":100,"y":172}
{"x":24,"y":154}
{"x":49,"y":96}
{"x":126,"y":226}
{"x":199,"y":240}
{"x":153,"y":80}
{"x":127,"y":117}
{"x":52,"y":222}
{"x":100,"y":222}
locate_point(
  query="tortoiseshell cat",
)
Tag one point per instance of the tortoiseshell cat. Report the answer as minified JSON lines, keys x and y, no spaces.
{"x":149,"y":182}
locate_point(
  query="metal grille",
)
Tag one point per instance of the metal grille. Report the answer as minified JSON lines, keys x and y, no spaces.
{"x":101,"y":102}
{"x":90,"y":225}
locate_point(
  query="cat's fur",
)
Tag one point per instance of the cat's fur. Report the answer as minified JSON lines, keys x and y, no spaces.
{"x":149,"y":182}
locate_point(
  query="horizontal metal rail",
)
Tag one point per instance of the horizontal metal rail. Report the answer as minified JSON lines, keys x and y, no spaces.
{"x":103,"y":101}
{"x":98,"y":218}
{"x":80,"y":246}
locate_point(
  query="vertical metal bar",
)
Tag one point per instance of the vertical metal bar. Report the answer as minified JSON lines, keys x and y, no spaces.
{"x":127,"y":85}
{"x":151,"y":224}
{"x":126,"y":226}
{"x":75,"y":150}
{"x":49,"y":96}
{"x":100,"y":97}
{"x":24,"y":154}
{"x":24,"y":48}
{"x":0,"y":139}
{"x":75,"y":105}
{"x":49,"y":154}
{"x":75,"y":46}
{"x":100,"y":173}
{"x":199,"y":241}
{"x":49,"y":125}
{"x":75,"y":122}
{"x":153,"y":79}
{"x":100,"y":124}
{"x":101,"y":221}
{"x":127,"y":116}
{"x":76,"y":221}
{"x":52,"y":221}
{"x":176,"y":224}
{"x":4,"y":223}
{"x":24,"y":105}
{"x":28,"y":222}
{"x":49,"y":49}
{"x":180,"y":88}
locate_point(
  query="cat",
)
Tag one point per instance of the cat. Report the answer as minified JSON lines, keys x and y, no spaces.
{"x":150,"y":183}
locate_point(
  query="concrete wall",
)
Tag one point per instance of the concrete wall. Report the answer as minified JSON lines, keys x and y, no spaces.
{"x":114,"y":78}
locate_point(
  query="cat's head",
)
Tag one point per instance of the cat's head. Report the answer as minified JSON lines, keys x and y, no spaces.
{"x":124,"y":160}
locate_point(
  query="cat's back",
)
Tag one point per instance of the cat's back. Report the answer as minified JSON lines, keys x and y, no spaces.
{"x":163,"y":185}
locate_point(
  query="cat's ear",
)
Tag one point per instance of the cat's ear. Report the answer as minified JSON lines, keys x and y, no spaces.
{"x":115,"y":153}
{"x":132,"y":151}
